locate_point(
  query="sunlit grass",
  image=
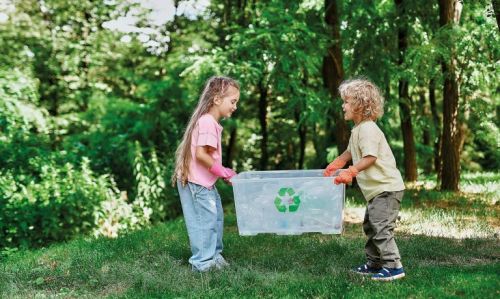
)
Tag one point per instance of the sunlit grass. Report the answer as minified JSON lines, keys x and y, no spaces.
{"x":471,"y":213}
{"x":443,"y":223}
{"x":447,"y":244}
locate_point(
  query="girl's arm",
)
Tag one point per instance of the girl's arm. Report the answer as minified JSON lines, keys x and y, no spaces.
{"x":203,"y":155}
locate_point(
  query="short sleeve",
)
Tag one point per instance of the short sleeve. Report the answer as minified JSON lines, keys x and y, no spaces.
{"x":369,"y":140}
{"x":207,"y":132}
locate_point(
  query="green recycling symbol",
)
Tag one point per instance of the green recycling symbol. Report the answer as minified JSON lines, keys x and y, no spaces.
{"x":287,"y":198}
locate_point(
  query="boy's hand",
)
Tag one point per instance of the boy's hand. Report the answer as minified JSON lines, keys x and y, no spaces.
{"x":345,"y":176}
{"x":334,"y":166}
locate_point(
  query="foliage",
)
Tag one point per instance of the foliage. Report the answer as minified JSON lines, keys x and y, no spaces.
{"x":71,"y":87}
{"x":57,"y":207}
{"x":153,"y":198}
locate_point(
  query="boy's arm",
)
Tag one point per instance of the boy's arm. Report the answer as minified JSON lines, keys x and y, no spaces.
{"x":346,"y":175}
{"x":365,"y":162}
{"x":346,"y":156}
{"x":338,"y":163}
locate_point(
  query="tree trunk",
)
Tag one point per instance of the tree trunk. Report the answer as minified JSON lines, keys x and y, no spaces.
{"x":85,"y":89}
{"x":263,"y":92}
{"x":231,"y":146}
{"x":410,"y":156}
{"x":437,"y":128}
{"x":426,"y":134}
{"x":449,"y":14}
{"x":496,"y":10}
{"x":333,"y":74}
{"x":302,"y":131}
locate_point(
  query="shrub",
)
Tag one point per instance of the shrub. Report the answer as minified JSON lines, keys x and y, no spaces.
{"x":65,"y":202}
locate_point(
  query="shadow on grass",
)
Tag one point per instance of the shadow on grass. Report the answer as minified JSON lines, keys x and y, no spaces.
{"x":153,"y":263}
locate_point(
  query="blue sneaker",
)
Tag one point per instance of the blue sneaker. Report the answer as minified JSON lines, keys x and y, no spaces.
{"x":388,"y":274}
{"x":366,"y":270}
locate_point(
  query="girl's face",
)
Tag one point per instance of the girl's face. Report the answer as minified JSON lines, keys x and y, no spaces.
{"x":349,"y":113}
{"x":226,"y":105}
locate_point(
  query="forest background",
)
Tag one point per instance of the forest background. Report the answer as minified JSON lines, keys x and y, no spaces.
{"x":95,"y":95}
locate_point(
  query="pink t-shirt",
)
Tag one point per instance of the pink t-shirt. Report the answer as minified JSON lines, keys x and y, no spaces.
{"x":207,"y":131}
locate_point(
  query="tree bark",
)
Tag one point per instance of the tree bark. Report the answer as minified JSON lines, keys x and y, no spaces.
{"x":437,"y":128}
{"x":302,"y":131}
{"x":496,"y":10}
{"x":449,"y":14}
{"x":263,"y":94}
{"x":410,"y":156}
{"x":426,"y":134}
{"x":231,"y":146}
{"x":333,"y":74}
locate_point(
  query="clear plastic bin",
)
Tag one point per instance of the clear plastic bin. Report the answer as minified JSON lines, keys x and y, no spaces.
{"x":289,"y":202}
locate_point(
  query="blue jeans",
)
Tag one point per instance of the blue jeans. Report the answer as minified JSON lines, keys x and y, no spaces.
{"x":204,"y":217}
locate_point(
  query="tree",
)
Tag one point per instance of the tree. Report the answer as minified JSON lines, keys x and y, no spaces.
{"x":405,"y":102}
{"x":333,"y":74}
{"x":449,"y":16}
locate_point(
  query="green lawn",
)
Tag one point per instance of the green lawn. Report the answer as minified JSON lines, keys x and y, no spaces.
{"x":451,"y":262}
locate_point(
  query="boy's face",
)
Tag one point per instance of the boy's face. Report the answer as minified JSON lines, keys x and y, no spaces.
{"x":349,"y":113}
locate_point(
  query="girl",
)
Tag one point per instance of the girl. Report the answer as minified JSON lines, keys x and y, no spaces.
{"x":198,"y":166}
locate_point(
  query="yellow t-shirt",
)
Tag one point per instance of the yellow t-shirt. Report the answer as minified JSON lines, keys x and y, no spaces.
{"x":368,"y":140}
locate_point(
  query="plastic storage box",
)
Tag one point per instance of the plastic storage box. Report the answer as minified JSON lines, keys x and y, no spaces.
{"x":287,"y":202}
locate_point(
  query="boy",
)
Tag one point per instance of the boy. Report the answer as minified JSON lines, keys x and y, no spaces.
{"x":377,"y":176}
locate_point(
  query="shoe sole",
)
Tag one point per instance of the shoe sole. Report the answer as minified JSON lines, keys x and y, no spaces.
{"x":391,"y":278}
{"x":363,"y":273}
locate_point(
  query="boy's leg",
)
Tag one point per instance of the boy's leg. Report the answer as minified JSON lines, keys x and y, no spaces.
{"x":383,"y":211}
{"x":200,"y":214}
{"x":371,"y":251}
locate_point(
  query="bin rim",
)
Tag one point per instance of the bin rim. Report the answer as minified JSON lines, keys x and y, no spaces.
{"x":236,"y":178}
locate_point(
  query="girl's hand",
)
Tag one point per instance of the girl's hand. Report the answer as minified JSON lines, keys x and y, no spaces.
{"x":221,"y":171}
{"x":346,"y":175}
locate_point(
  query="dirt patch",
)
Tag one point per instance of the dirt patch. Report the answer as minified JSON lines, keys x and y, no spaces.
{"x":354,"y":215}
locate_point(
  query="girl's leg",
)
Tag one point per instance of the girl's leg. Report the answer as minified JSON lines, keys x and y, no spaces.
{"x":219,"y":259}
{"x":200,"y":213}
{"x":220,"y":225}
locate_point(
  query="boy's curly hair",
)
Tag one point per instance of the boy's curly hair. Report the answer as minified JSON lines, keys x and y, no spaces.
{"x":364,"y":96}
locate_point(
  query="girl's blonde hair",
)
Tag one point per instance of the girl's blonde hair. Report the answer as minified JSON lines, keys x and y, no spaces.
{"x":364,"y":96}
{"x":216,"y":86}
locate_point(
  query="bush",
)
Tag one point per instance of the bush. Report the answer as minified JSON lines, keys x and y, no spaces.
{"x":59,"y":206}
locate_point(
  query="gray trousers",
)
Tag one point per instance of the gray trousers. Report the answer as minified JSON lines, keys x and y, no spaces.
{"x":379,"y":223}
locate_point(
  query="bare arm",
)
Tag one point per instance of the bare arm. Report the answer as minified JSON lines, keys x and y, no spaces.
{"x":203,"y":155}
{"x":365,"y":162}
{"x":346,"y":156}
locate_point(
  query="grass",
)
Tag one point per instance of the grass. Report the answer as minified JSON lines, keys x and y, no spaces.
{"x":461,"y":259}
